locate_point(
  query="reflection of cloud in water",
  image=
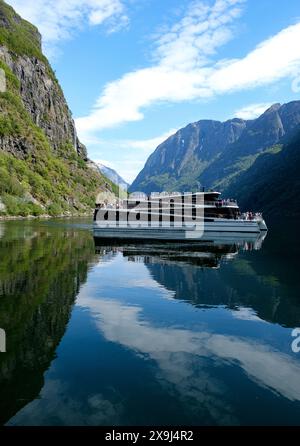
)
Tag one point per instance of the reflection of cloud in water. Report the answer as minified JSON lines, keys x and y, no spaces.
{"x":107,"y":256}
{"x":175,"y":350}
{"x":267,"y":367}
{"x":246,"y":314}
{"x":143,"y":282}
{"x":55,"y":407}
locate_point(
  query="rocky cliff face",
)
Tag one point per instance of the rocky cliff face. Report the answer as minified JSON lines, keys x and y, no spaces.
{"x":213,"y":154}
{"x":40,"y":91}
{"x":43,"y":165}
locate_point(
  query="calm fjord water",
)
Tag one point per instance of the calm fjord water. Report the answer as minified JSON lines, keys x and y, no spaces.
{"x":146,"y":335}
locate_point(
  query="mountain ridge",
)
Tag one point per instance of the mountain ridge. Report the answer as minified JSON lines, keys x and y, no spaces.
{"x":213,"y":154}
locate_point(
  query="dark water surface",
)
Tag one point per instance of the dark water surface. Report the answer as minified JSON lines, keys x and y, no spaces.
{"x":147,"y":335}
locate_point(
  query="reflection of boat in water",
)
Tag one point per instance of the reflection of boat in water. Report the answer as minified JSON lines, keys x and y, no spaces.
{"x":208,"y":252}
{"x":176,"y":216}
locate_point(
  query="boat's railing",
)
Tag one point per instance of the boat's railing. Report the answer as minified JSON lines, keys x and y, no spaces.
{"x":249,"y":216}
{"x":217,"y":204}
{"x":221,"y":203}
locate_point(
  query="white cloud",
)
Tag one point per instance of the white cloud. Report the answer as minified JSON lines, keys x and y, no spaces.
{"x":252,"y":111}
{"x":196,"y":37}
{"x":179,"y":71}
{"x":58,"y":20}
{"x":184,"y":67}
{"x":272,"y":60}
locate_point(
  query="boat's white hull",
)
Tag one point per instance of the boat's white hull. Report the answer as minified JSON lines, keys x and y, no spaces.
{"x":233,"y":228}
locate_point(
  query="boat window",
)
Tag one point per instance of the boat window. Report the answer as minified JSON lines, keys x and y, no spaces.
{"x":95,"y":214}
{"x":160,"y":210}
{"x":172,"y":211}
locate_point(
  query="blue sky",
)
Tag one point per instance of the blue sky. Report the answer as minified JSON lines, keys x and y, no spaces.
{"x":135,"y":71}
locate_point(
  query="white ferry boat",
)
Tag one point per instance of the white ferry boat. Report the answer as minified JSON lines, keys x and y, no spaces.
{"x":174,"y":216}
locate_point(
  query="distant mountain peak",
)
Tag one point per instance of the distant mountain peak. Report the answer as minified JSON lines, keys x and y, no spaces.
{"x":273,"y":108}
{"x":112,"y":175}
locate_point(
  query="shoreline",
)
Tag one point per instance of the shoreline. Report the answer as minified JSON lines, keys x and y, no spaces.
{"x":41,"y":217}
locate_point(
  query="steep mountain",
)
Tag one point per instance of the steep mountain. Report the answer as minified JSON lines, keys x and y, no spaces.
{"x":214,"y":154}
{"x":276,"y":126}
{"x":43,"y":165}
{"x":112,"y":175}
{"x":179,"y":162}
{"x":272,"y":183}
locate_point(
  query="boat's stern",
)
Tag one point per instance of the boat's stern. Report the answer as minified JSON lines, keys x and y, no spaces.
{"x":262,"y":224}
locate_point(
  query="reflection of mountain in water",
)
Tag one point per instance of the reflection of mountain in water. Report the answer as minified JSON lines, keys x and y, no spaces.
{"x":235,"y":285}
{"x":40,"y":275}
{"x":223,"y":273}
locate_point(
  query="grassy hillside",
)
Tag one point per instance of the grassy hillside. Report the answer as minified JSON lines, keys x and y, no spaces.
{"x":21,"y":37}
